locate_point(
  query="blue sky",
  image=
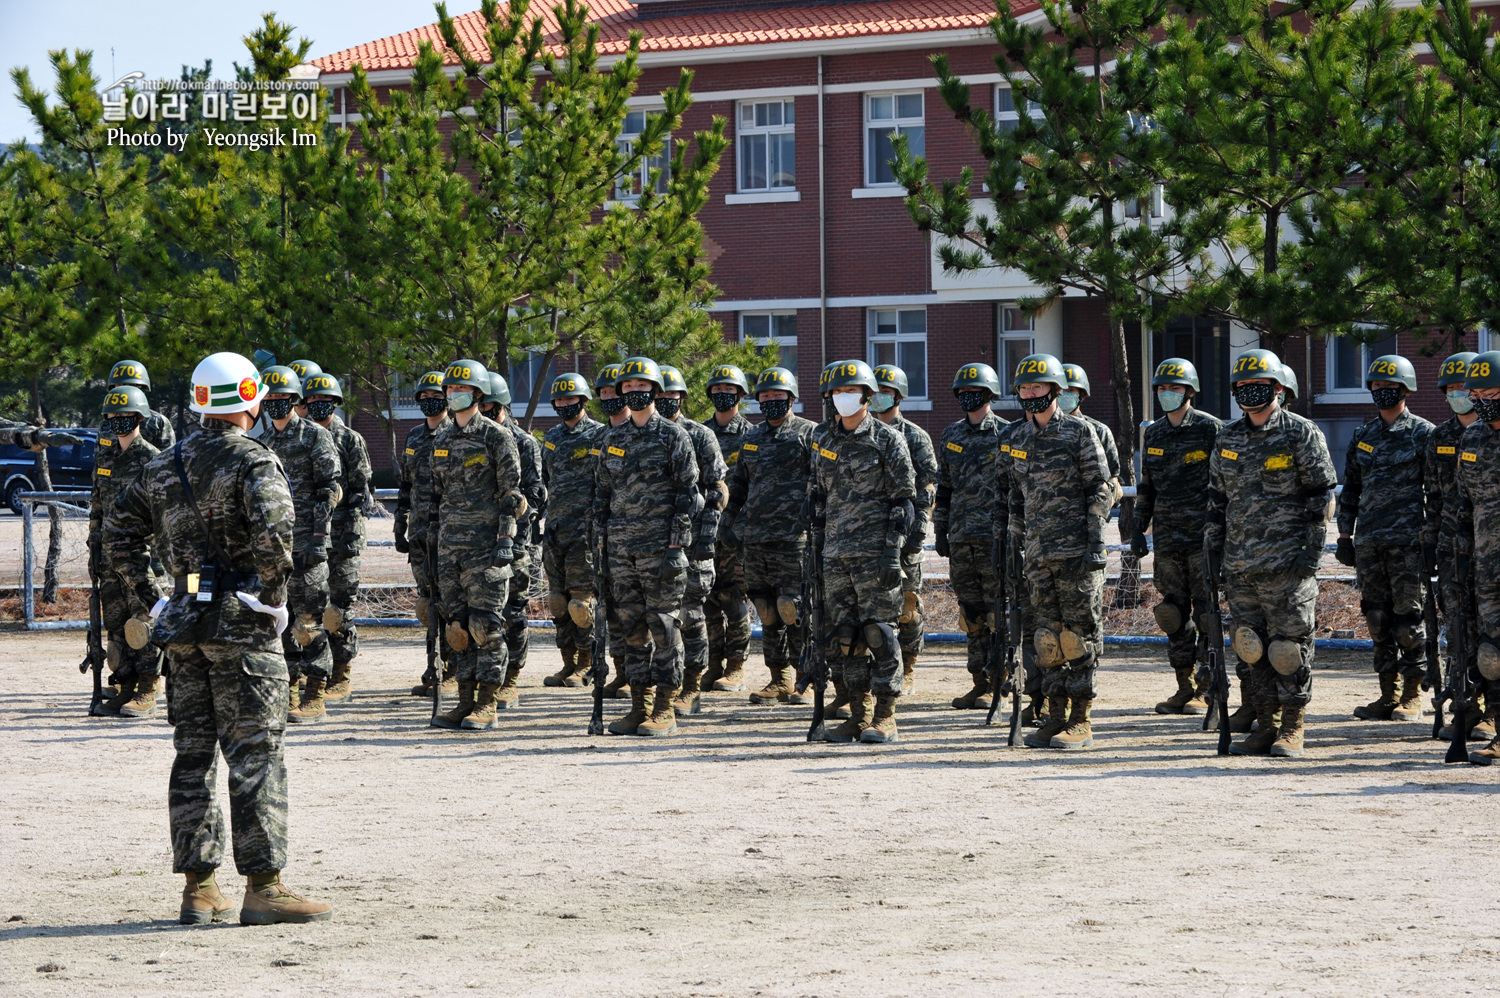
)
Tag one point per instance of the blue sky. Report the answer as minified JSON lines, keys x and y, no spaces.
{"x":158,"y":36}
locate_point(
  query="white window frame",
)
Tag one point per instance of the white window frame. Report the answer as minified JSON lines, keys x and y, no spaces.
{"x":1007,"y":312}
{"x":762,"y":341}
{"x":914,"y":402}
{"x":784,"y":128}
{"x":1345,"y":395}
{"x":1007,"y":120}
{"x":897,"y":122}
{"x":1486,"y":342}
{"x":663,"y":160}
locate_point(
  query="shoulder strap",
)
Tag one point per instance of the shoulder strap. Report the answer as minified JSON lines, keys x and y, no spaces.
{"x":187,"y":491}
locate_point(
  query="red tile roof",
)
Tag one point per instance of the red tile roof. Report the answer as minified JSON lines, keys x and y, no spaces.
{"x":702,"y":30}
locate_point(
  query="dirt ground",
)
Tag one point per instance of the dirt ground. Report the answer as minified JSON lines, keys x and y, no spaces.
{"x":736,"y":859}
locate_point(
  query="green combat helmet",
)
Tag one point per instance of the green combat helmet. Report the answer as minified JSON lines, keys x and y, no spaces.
{"x":282,"y":380}
{"x":607,"y":376}
{"x":498,"y":391}
{"x":1455,"y":368}
{"x":671,"y":380}
{"x":1077,"y":378}
{"x":322,"y":384}
{"x":1176,"y":371}
{"x":130,"y":372}
{"x":1392,"y":367}
{"x":1254,"y":364}
{"x":569,"y":385}
{"x":305,"y":367}
{"x":976,"y":376}
{"x":1484,"y":371}
{"x":639,"y":369}
{"x":1040,"y":369}
{"x":124,"y":399}
{"x":469,"y":373}
{"x":776,"y":379}
{"x":728,"y":374}
{"x":847,"y":373}
{"x":1289,"y":386}
{"x":430,"y":381}
{"x":892,"y":377}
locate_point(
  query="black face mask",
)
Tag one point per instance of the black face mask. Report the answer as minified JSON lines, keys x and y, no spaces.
{"x":612,"y":407}
{"x":568,"y":411}
{"x":775,"y":408}
{"x":1488,"y":409}
{"x":829,"y":412}
{"x":724,"y":401}
{"x":279,"y":408}
{"x":432,"y":405}
{"x":1036,"y":405}
{"x":972,"y":400}
{"x":1253,"y":397}
{"x":668,"y":407}
{"x":1386,"y":398}
{"x":638,"y":400}
{"x":120,"y":425}
{"x":320,"y":411}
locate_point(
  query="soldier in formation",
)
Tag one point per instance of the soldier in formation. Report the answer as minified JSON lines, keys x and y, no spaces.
{"x":1070,"y":400}
{"x":155,"y":429}
{"x":612,"y":404}
{"x":217,"y":507}
{"x":727,"y":609}
{"x":1478,"y":541}
{"x":570,"y":453}
{"x":1395,"y":552}
{"x":415,"y":529}
{"x":1267,"y":516}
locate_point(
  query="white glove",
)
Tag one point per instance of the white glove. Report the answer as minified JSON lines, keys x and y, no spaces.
{"x":278,"y":613}
{"x":156,"y":610}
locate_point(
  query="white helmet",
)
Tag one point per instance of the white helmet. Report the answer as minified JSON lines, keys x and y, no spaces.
{"x":225,"y":383}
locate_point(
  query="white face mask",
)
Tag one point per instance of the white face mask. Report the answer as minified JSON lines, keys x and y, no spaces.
{"x":1170,"y":401}
{"x":848,"y":403}
{"x":1067,"y":401}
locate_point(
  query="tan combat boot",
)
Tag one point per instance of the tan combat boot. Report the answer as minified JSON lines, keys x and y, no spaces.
{"x":569,"y":665}
{"x":1034,"y":712}
{"x":486,"y":702}
{"x":663,"y":719}
{"x":1175,"y":703}
{"x":311,"y":708}
{"x":1288,"y":743}
{"x":689,"y":699}
{"x":508,"y":695}
{"x":584,"y":675}
{"x":883,"y":725}
{"x":1243,"y":718}
{"x":1380,"y":708}
{"x":733,"y":679}
{"x":1468,"y":718}
{"x":839,"y":708}
{"x":203,"y":902}
{"x":1198,"y":705}
{"x":577,"y":662}
{"x":450,"y":683}
{"x":1485,"y":728}
{"x":1487,"y":755}
{"x":1079,"y":734}
{"x":978,"y":698}
{"x":859,"y":719}
{"x":806,"y":696}
{"x":1055,"y":718}
{"x":1258,"y":742}
{"x":453,"y":718}
{"x":124,"y":694}
{"x":641,"y":702}
{"x":713,"y":675}
{"x":908,"y":674}
{"x":273,"y":903}
{"x":143,"y":704}
{"x":1409,"y":708}
{"x":338,"y":689}
{"x":777,"y":690}
{"x":616,"y":688}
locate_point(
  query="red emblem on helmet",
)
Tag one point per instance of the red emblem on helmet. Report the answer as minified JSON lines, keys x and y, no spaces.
{"x":249,"y":388}
{"x":200,"y":394}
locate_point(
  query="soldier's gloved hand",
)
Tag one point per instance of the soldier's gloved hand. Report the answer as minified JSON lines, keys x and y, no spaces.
{"x":889,"y":567}
{"x":1094,"y":556}
{"x":1345,"y":552}
{"x":1429,"y":560}
{"x":278,"y":614}
{"x":56,"y":438}
{"x":1138,"y":545}
{"x":940,"y":535}
{"x":674,"y":567}
{"x":505,"y":551}
{"x":403,"y":546}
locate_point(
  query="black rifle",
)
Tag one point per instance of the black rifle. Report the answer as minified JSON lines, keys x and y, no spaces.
{"x":1434,"y":660}
{"x":601,"y":628}
{"x":1218,"y":672}
{"x":1006,"y":673}
{"x":434,"y":673}
{"x":95,"y":657}
{"x":813,"y":668}
{"x":1458,"y":664}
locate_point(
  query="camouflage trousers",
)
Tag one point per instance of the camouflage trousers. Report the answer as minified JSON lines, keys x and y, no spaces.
{"x":474,"y":591}
{"x":427,"y":591}
{"x":517,"y":611}
{"x":1277,"y":605}
{"x":306,"y":598}
{"x":114,"y":611}
{"x":569,"y":563}
{"x":647,"y":615}
{"x":910,"y":633}
{"x":772,"y":572}
{"x":853,"y":597}
{"x":1178,"y":574}
{"x":229,"y":699}
{"x":1391,"y":593}
{"x":1487,"y":589}
{"x":727,"y":611}
{"x":1065,"y":593}
{"x":700,"y":583}
{"x":343,"y":586}
{"x":976,"y":584}
{"x":1451,"y":596}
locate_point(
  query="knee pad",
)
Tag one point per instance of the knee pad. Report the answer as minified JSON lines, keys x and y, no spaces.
{"x":557,"y":604}
{"x":1073,"y":645}
{"x":1378,"y":617}
{"x":764,"y":608}
{"x":137,"y":633}
{"x":1170,"y":617}
{"x":581,"y":609}
{"x":483,"y":626}
{"x":911,"y":609}
{"x":1407,"y":630}
{"x":878,"y":636}
{"x":789,"y":609}
{"x":970,"y":618}
{"x":846,"y":636}
{"x":423,"y":608}
{"x":1248,"y":644}
{"x":735,"y":607}
{"x":1048,"y":645}
{"x":113,"y":653}
{"x":664,"y":627}
{"x":333,"y":618}
{"x":305,"y":630}
{"x":457,"y":635}
{"x":1488,"y":655}
{"x":1286,"y":656}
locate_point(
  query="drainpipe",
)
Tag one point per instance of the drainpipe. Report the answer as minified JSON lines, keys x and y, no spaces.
{"x":822,"y":235}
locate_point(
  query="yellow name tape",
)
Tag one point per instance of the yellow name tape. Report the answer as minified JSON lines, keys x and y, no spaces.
{"x":825,"y":452}
{"x":955,"y":448}
{"x":617,"y":451}
{"x":440,"y":452}
{"x":1447,"y":451}
{"x":750,"y":447}
{"x":103,"y":471}
{"x":1232,"y":455}
{"x":1469,"y":455}
{"x":1018,"y":454}
{"x":1155,"y":451}
{"x":1367,"y":448}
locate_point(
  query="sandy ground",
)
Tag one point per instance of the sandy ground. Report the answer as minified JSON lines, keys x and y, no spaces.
{"x":738,"y":860}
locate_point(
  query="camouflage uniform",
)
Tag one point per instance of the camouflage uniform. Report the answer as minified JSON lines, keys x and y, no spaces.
{"x":767,"y":490}
{"x":866,"y":478}
{"x":728,"y":613}
{"x":310,"y":460}
{"x":229,"y":684}
{"x":712,"y":472}
{"x":1443,"y":500}
{"x":346,"y":538}
{"x":570,"y":455}
{"x":966,"y":497}
{"x":517,"y":634}
{"x":1479,"y":527}
{"x":476,"y":479}
{"x":1107,"y":441}
{"x":115,"y":471}
{"x":1267,"y":514}
{"x":1174,"y":481}
{"x":415,"y":511}
{"x":925,"y":465}
{"x":155,"y":429}
{"x":1384,"y":492}
{"x":1059,"y":492}
{"x":646,"y":500}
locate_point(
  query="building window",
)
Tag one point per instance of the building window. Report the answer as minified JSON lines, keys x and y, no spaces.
{"x":523,"y":375}
{"x":1017,"y":341}
{"x":1007,"y":115}
{"x":766,"y":145}
{"x":764,"y":328}
{"x":886,"y":116}
{"x":1349,"y":359}
{"x":630,"y":185}
{"x":899,"y":337}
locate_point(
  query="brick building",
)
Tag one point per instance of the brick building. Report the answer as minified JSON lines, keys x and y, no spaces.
{"x":810,"y":240}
